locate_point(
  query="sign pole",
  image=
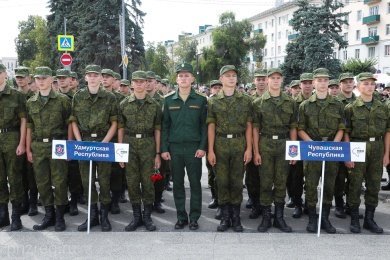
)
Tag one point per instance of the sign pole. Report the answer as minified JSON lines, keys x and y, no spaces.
{"x":89,"y":196}
{"x":321,"y":199}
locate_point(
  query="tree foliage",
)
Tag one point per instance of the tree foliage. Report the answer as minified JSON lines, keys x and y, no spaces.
{"x":157,"y":59}
{"x":318,"y":29}
{"x":357,"y":66}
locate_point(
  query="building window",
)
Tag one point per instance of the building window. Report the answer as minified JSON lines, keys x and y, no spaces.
{"x":357,"y":53}
{"x":372,"y":31}
{"x":345,"y":54}
{"x":374,"y":10}
{"x":388,"y":8}
{"x":265,"y":53}
{"x":345,"y":37}
{"x":272,"y":52}
{"x":278,"y":63}
{"x":387,"y":50}
{"x":358,"y":35}
{"x":272,"y":37}
{"x":272,"y":22}
{"x":387,"y":29}
{"x":279,"y":35}
{"x":359,"y":15}
{"x":272,"y":64}
{"x":280,"y":20}
{"x":371,"y":52}
{"x":266,"y":25}
{"x":279,"y":50}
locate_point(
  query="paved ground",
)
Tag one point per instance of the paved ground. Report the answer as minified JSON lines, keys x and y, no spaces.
{"x":202,"y":244}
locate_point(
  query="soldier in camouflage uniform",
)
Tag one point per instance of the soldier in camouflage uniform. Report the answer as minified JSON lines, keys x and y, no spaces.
{"x":321,"y":118}
{"x":294,"y":88}
{"x":48,"y":119}
{"x":12,"y":146}
{"x":368,"y":120}
{"x":274,"y":122}
{"x":125,"y":87}
{"x":229,"y":122}
{"x":74,"y":83}
{"x":334,"y":88}
{"x":94,"y":118}
{"x":117,"y":82}
{"x":140,"y":125}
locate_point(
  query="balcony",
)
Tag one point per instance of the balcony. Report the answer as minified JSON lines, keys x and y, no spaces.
{"x":370,"y":40}
{"x":372,"y":19}
{"x":258,"y":31}
{"x":371,"y":2}
{"x":292,"y":37}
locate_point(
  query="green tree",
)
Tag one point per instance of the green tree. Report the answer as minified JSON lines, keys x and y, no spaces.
{"x":156,"y":59}
{"x":318,"y":31}
{"x":33,"y":42}
{"x":357,"y":66}
{"x":186,"y":50}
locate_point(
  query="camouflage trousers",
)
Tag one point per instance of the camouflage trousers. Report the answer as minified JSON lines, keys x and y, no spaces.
{"x":252,"y":181}
{"x":312,"y":171}
{"x":371,"y":171}
{"x":273,"y":171}
{"x":342,"y":182}
{"x":229,"y":169}
{"x":9,"y":172}
{"x":139,"y":169}
{"x":50,"y":173}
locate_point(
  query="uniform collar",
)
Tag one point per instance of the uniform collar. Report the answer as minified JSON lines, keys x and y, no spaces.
{"x":328,"y":98}
{"x":342,"y":97}
{"x":52,"y":94}
{"x":282,"y":95}
{"x":176,"y":95}
{"x":7,"y":90}
{"x":100,"y":93}
{"x":236,"y":93}
{"x":375,"y":102}
{"x":132,"y":98}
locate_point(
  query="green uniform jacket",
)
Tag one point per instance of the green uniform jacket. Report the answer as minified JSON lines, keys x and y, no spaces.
{"x":12,"y":108}
{"x":49,"y":119}
{"x":184,"y":122}
{"x":340,"y":97}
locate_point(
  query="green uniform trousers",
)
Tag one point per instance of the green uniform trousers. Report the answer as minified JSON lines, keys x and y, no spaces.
{"x":274,"y":171}
{"x":28,"y":176}
{"x":182,"y":160}
{"x":252,"y":181}
{"x":50,"y":173}
{"x":312,"y":171}
{"x":75,"y":184}
{"x":341,"y":185}
{"x":9,"y":172}
{"x":371,"y":171}
{"x":139,"y":169}
{"x":229,"y":169}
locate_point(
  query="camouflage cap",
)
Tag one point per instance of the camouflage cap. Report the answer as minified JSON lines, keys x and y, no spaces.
{"x":158,"y":78}
{"x":294,"y":83}
{"x":63,"y":73}
{"x":93,"y":69}
{"x":186,"y":67}
{"x":125,"y":82}
{"x":321,"y":73}
{"x":150,"y":75}
{"x":333,"y":82}
{"x":306,"y":77}
{"x":274,"y":70}
{"x":73,"y":74}
{"x":365,"y":75}
{"x":108,"y":72}
{"x":117,"y":75}
{"x":165,"y":82}
{"x":2,"y":68}
{"x":215,"y":82}
{"x":346,"y":76}
{"x":22,"y":72}
{"x":43,"y":72}
{"x":139,"y":74}
{"x":227,"y":68}
{"x":260,"y":73}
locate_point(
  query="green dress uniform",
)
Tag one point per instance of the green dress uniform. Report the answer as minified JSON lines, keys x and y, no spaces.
{"x":369,"y":123}
{"x":275,"y":117}
{"x":12,"y":110}
{"x":184,"y":131}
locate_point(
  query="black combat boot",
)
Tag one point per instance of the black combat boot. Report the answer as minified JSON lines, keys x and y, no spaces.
{"x":218,"y":215}
{"x":73,"y":210}
{"x":25,"y":206}
{"x":137,"y":218}
{"x":339,"y":210}
{"x":48,"y":220}
{"x":60,"y":221}
{"x":104,"y":221}
{"x":355,"y":224}
{"x":16,"y":223}
{"x":312,"y":226}
{"x":94,"y":219}
{"x":115,"y":209}
{"x":279,"y":221}
{"x":290,"y":204}
{"x":148,"y":222}
{"x":256,"y":211}
{"x":236,"y":220}
{"x":157,"y":206}
{"x":266,"y":221}
{"x":369,"y":222}
{"x":225,"y":220}
{"x":33,"y":201}
{"x":4,"y":215}
{"x":325,"y":223}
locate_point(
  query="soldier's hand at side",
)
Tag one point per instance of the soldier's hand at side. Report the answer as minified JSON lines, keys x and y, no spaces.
{"x":29,"y":156}
{"x":257,"y":159}
{"x":293,"y":162}
{"x":157,"y":162}
{"x":166,"y":156}
{"x":200,"y":153}
{"x":21,"y":149}
{"x":211,"y":158}
{"x":349,"y":165}
{"x":122,"y":164}
{"x":385,"y":160}
{"x":247,"y":156}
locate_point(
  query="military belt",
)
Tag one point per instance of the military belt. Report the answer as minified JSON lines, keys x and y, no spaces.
{"x":368,"y":139}
{"x":48,"y":139}
{"x":229,"y":136}
{"x":140,"y":135}
{"x":11,"y":129}
{"x":275,"y":137}
{"x":93,"y":134}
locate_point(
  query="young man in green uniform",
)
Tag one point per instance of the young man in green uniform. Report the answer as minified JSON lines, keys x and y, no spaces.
{"x":368,"y":120}
{"x":275,"y":121}
{"x":321,"y":118}
{"x":12,"y":146}
{"x":125,"y":87}
{"x":229,"y":122}
{"x":94,"y":118}
{"x":48,"y":120}
{"x":139,"y":126}
{"x":184,"y":140}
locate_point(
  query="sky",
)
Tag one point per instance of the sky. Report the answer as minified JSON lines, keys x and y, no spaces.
{"x":164,"y":20}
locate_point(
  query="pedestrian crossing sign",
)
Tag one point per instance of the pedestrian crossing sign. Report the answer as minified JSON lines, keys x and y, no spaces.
{"x":65,"y":42}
